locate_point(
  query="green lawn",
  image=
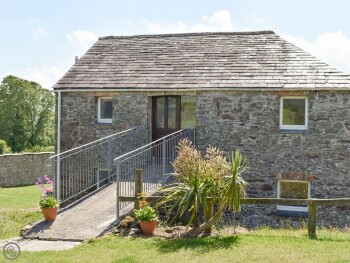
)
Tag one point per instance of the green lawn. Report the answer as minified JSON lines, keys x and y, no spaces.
{"x":260,"y":246}
{"x":18,"y":207}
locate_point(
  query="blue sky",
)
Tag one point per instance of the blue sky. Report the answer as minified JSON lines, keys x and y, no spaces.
{"x":39,"y":39}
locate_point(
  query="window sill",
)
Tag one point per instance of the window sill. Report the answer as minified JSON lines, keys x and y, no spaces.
{"x":290,"y":213}
{"x":293,"y":211}
{"x":104,"y":123}
{"x":293,"y":131}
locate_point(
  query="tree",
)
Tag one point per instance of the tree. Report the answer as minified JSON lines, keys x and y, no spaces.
{"x":26,"y":114}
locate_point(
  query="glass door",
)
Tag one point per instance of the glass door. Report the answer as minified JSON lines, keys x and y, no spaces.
{"x":166,"y":119}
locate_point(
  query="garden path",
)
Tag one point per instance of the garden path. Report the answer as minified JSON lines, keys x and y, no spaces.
{"x":89,"y":218}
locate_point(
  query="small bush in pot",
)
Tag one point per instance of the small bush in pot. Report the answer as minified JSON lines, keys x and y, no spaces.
{"x":146,"y":215}
{"x":48,"y":204}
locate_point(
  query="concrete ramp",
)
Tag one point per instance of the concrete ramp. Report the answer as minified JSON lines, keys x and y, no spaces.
{"x":88,"y":219}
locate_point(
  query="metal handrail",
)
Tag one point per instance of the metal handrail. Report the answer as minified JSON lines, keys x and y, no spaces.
{"x":86,"y":168}
{"x":155,"y":159}
{"x":151,"y":144}
{"x":93,"y":143}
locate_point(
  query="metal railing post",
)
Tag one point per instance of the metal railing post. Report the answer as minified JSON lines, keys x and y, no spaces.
{"x":194,"y":136}
{"x":110,"y":156}
{"x":98,"y":179}
{"x":118,"y":187}
{"x":58,"y":178}
{"x":163,"y":156}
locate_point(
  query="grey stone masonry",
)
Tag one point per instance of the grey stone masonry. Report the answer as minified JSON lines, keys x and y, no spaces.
{"x":79,"y":116}
{"x":23,"y":169}
{"x":249,"y":121}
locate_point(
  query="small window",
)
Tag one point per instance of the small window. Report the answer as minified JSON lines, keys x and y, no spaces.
{"x":188,"y":112}
{"x":105,"y":110}
{"x":293,"y":113}
{"x":293,"y":189}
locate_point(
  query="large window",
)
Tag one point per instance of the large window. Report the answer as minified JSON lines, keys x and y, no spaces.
{"x":293,"y":113}
{"x":105,"y":110}
{"x":293,"y":189}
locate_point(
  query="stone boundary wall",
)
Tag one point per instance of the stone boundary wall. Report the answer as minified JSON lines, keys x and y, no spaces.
{"x":23,"y":168}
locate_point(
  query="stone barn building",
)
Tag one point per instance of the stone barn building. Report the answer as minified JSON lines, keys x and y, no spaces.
{"x":287,"y":111}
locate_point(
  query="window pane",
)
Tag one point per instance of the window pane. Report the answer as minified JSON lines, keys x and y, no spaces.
{"x":298,"y":190}
{"x":106,"y":109}
{"x":188,"y":112}
{"x":293,"y":112}
{"x":160,"y":112}
{"x":171,"y":113}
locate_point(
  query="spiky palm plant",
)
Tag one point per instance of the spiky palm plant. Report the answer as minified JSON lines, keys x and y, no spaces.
{"x":201,"y":179}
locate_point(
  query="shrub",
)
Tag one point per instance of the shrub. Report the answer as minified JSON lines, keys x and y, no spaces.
{"x":200,"y":180}
{"x":39,"y":148}
{"x":4,"y":148}
{"x":145,"y":212}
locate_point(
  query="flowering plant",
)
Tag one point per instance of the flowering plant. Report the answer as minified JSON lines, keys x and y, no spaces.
{"x":46,"y":186}
{"x":145,"y":212}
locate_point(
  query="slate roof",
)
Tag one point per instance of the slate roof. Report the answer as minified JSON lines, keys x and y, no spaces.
{"x":202,"y":61}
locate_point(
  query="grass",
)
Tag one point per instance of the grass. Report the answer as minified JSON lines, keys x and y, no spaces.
{"x":258,"y":246}
{"x":18,"y":207}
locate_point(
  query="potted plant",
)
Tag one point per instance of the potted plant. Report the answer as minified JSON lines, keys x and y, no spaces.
{"x":48,"y":204}
{"x":146,"y":215}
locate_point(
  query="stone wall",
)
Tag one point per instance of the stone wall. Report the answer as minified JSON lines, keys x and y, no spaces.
{"x":79,"y":116}
{"x":250,"y":122}
{"x":23,"y":169}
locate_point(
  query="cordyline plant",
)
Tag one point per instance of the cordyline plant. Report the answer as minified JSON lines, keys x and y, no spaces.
{"x":202,"y":181}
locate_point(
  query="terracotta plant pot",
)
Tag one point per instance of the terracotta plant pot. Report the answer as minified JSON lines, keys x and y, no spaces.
{"x":148,"y":227}
{"x":50,"y":213}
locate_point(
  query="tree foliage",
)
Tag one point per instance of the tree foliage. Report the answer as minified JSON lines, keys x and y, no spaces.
{"x":26,"y":114}
{"x":4,"y":148}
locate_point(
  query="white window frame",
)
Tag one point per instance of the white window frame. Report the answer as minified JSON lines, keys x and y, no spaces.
{"x":294,"y":127}
{"x":99,"y":119}
{"x":292,"y":207}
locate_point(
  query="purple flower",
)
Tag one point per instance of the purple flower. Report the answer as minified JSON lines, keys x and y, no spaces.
{"x":45,"y":184}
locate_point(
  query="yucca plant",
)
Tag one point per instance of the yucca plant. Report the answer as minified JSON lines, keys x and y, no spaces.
{"x":185,"y":196}
{"x":235,"y":185}
{"x":200,"y":181}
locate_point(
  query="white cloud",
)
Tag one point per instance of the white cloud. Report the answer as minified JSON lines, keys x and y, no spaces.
{"x":82,"y":40}
{"x":330,"y":47}
{"x":32,"y":21}
{"x":256,"y":21}
{"x":39,"y":33}
{"x":46,"y":76}
{"x":218,"y":21}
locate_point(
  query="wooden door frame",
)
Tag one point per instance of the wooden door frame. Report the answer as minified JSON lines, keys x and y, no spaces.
{"x":166,"y":110}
